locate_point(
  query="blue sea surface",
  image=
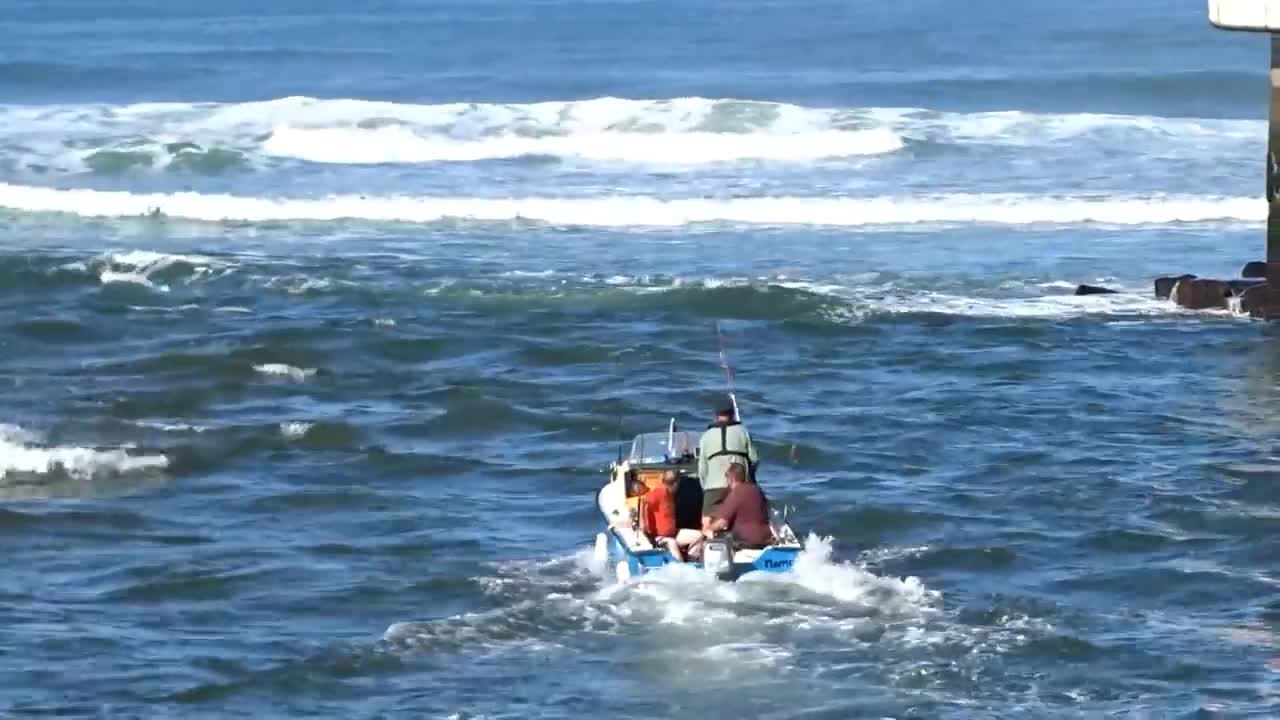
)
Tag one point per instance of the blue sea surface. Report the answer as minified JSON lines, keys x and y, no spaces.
{"x":320,"y":323}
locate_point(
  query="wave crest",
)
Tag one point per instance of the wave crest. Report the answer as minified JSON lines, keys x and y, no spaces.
{"x":404,"y":145}
{"x":22,"y":454}
{"x":212,"y":138}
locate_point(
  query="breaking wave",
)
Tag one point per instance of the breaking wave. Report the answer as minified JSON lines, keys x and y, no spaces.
{"x":211,"y":138}
{"x":648,"y":211}
{"x":294,"y":373}
{"x":398,"y":144}
{"x":152,"y":270}
{"x":30,"y":469}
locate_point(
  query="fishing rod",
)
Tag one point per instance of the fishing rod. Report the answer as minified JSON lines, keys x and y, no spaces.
{"x":621,"y":440}
{"x":621,"y":405}
{"x":728,"y":375}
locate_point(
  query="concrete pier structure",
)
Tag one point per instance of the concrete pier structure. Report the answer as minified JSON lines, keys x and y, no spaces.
{"x":1246,"y":15}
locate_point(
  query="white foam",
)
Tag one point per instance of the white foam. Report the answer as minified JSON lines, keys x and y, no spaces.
{"x":147,"y":259}
{"x":643,"y":211}
{"x":674,"y":588}
{"x":1020,"y":128}
{"x":302,"y":285}
{"x":14,"y":434}
{"x":294,"y":430}
{"x":20,"y":452}
{"x":110,"y":276}
{"x":401,"y":145}
{"x":172,"y":427}
{"x":1045,"y":307}
{"x":777,"y":624}
{"x":164,"y":309}
{"x":677,"y":131}
{"x":762,"y":622}
{"x":856,"y":302}
{"x":852,"y":583}
{"x":681,"y":131}
{"x":528,"y":273}
{"x":747,"y":655}
{"x":884,"y":554}
{"x":295,"y":373}
{"x":485,"y":630}
{"x":138,"y":267}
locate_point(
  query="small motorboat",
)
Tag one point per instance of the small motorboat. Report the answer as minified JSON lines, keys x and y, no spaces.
{"x":633,"y":553}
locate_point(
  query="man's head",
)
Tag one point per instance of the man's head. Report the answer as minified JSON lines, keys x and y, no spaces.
{"x":735,"y":474}
{"x":724,"y":411}
{"x":671,"y":479}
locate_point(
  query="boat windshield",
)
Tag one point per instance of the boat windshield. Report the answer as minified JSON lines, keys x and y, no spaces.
{"x":651,"y":448}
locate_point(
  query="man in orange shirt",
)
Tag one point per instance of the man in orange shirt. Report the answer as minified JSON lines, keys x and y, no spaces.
{"x":658,"y":517}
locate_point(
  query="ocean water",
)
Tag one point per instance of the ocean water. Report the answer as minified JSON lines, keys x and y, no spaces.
{"x":319,"y":323}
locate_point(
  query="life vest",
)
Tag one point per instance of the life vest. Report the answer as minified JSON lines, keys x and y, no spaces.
{"x":724,"y":446}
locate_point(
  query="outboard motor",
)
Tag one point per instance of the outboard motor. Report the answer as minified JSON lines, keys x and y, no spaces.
{"x":717,"y":556}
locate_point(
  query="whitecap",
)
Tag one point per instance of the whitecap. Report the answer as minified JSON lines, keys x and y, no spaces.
{"x":21,"y":452}
{"x":295,"y":373}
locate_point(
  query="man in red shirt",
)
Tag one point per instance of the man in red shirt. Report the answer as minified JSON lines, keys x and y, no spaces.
{"x":745,"y":511}
{"x":658,"y":518}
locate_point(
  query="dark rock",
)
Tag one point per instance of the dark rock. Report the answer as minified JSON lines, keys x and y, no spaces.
{"x":1197,"y":294}
{"x":1255,"y":269}
{"x":1238,"y":287}
{"x":1164,"y":285}
{"x":1261,"y":301}
{"x":1093,"y":290}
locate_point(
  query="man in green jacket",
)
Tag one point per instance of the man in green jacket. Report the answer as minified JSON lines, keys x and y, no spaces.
{"x":725,"y":442}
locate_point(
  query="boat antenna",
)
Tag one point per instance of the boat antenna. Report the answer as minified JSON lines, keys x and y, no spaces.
{"x":728,"y":375}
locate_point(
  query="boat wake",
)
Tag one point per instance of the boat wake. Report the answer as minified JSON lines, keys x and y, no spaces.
{"x":829,"y":620}
{"x":542,"y":602}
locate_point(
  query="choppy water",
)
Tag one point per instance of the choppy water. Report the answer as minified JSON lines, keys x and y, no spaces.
{"x":321,"y":437}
